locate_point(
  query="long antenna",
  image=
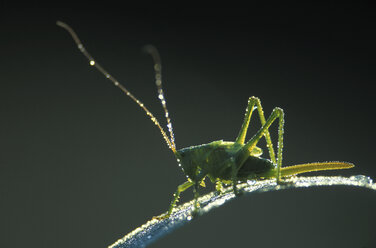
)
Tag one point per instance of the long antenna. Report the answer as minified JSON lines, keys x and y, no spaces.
{"x":170,"y":142}
{"x":158,"y":81}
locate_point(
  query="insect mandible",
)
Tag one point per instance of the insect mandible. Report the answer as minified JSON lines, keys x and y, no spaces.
{"x":223,"y":162}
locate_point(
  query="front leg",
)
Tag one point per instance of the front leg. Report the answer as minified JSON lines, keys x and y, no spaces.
{"x":175,"y":199}
{"x":196,"y":205}
{"x":199,"y":180}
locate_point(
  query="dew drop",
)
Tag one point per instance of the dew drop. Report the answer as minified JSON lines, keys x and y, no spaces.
{"x":116,"y":83}
{"x":92,"y":62}
{"x":157,"y":67}
{"x":362,"y":179}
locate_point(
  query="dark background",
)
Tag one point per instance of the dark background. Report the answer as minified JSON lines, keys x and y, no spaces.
{"x":81,"y":165}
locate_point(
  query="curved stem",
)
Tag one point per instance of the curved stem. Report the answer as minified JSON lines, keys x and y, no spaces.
{"x":155,"y":229}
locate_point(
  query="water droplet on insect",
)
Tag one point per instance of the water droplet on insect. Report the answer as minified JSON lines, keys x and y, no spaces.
{"x":92,"y":62}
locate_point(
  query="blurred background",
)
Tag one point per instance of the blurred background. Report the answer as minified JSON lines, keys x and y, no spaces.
{"x":81,"y":165}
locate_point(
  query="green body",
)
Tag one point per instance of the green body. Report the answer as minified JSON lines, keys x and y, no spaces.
{"x":217,"y":159}
{"x":225,"y":162}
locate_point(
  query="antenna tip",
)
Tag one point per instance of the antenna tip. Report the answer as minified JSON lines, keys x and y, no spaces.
{"x":148,"y":48}
{"x":63,"y":25}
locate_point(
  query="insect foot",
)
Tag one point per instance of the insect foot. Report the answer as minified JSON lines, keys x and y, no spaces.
{"x":237,"y":191}
{"x":161,"y":217}
{"x":219,"y":187}
{"x":285,"y":181}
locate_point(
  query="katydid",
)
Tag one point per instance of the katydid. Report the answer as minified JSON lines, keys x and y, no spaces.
{"x":223,"y":162}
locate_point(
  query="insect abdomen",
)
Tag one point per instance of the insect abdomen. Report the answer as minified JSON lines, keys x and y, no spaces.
{"x":256,"y":167}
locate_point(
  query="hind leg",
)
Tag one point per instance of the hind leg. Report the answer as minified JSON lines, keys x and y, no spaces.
{"x":252,"y":103}
{"x":243,"y":154}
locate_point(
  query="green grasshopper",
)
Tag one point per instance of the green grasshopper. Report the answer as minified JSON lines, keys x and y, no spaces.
{"x":223,"y":162}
